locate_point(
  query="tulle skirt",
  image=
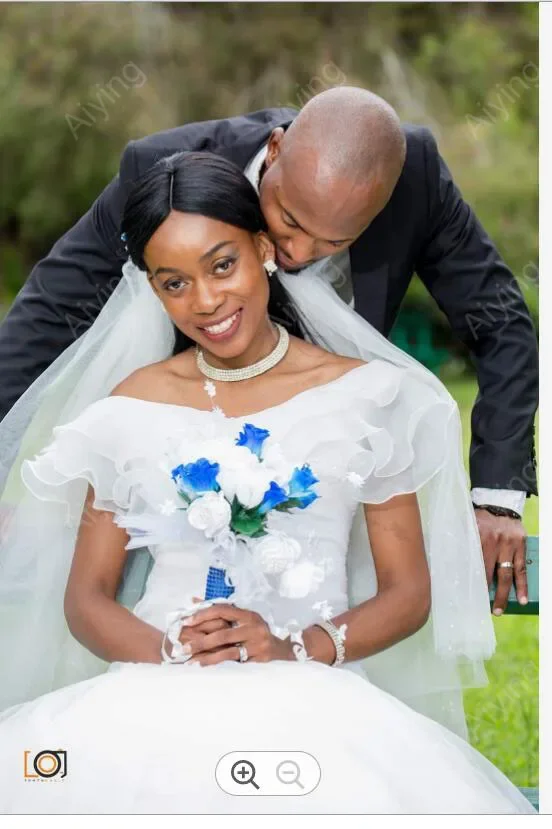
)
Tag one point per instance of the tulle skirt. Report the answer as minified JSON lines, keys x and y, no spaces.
{"x":145,"y":738}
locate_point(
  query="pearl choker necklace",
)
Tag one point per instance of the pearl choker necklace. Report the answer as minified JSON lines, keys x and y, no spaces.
{"x":231,"y":375}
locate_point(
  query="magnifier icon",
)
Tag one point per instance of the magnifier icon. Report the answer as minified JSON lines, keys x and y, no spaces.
{"x":288,"y":771}
{"x":243,"y":772}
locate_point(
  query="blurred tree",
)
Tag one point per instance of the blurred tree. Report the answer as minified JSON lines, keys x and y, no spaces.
{"x":77,"y":81}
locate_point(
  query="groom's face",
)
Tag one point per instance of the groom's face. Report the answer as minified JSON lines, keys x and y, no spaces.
{"x":310,"y":213}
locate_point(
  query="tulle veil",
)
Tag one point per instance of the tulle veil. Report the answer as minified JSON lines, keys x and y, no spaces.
{"x":37,"y":537}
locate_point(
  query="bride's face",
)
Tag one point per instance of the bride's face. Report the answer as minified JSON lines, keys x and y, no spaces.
{"x":210,"y":277}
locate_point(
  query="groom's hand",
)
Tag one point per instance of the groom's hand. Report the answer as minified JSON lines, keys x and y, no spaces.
{"x":503,"y":540}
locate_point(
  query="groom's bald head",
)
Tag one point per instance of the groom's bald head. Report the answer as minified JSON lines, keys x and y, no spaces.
{"x":347,"y":133}
{"x":331,"y":172}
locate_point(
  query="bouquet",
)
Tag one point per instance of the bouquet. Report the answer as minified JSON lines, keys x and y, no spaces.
{"x":229,"y":492}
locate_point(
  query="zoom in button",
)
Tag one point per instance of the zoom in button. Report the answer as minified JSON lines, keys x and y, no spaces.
{"x":287,"y":773}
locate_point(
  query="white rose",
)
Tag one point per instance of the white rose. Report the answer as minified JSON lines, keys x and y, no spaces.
{"x":301,"y":580}
{"x":276,"y":552}
{"x":251,"y":485}
{"x":213,"y":448}
{"x":237,"y":463}
{"x":210,"y":513}
{"x":276,"y":461}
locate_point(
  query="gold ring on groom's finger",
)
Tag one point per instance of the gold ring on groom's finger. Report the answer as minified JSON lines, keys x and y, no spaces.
{"x":505,"y":564}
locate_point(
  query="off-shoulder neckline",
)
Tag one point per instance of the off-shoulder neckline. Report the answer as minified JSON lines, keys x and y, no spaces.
{"x":293,"y":398}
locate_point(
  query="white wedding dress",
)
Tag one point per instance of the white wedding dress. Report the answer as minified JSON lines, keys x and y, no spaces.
{"x":145,"y":738}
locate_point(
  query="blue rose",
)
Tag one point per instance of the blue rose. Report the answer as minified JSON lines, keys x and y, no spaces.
{"x":274,"y":496}
{"x":301,"y":481}
{"x":253,"y":438}
{"x":300,"y":487}
{"x":303,"y":501}
{"x":193,"y":479}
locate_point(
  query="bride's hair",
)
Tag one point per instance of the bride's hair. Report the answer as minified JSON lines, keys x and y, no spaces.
{"x":208,"y":185}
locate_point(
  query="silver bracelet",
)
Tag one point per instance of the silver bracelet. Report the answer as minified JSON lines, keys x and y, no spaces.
{"x":338,"y":637}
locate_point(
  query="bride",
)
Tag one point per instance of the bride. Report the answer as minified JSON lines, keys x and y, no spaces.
{"x":317,"y":578}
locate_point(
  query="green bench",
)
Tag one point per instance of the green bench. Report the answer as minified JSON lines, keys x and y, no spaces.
{"x":532,"y":607}
{"x":140,"y":562}
{"x":413,"y":333}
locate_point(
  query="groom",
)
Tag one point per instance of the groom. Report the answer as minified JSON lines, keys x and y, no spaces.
{"x":342,"y":179}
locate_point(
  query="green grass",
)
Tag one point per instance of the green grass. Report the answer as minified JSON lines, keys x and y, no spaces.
{"x":503,"y":717}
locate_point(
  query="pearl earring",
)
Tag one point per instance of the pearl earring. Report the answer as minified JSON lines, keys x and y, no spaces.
{"x":270,"y":267}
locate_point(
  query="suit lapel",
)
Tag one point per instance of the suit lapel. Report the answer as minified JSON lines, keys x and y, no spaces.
{"x":370,"y":270}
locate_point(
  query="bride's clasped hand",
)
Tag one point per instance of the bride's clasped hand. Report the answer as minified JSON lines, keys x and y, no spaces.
{"x":247,"y":628}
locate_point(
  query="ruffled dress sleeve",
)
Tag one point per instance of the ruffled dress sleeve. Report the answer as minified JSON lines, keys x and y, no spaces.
{"x":95,"y":448}
{"x":100,"y":447}
{"x":379,"y":430}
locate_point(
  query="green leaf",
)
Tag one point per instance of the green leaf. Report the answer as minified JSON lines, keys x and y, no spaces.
{"x":246,"y":522}
{"x":289,"y":504}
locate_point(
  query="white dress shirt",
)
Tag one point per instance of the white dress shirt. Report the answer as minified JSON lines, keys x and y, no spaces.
{"x":339,"y":275}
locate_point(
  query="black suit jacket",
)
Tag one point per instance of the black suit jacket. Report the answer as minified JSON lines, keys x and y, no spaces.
{"x":426,"y":228}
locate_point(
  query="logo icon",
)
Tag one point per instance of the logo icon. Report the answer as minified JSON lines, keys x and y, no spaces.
{"x":45,"y":765}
